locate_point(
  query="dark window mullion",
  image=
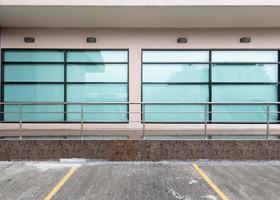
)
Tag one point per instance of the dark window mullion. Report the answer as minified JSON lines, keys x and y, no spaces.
{"x":65,"y":85}
{"x":278,"y":88}
{"x":2,"y":85}
{"x":245,"y":63}
{"x":31,"y":63}
{"x":245,"y":83}
{"x":175,"y":83}
{"x":96,"y":63}
{"x":210,"y":86}
{"x":29,"y":82}
{"x":174,"y":63}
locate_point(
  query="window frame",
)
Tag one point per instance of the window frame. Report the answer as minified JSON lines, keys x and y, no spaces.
{"x":210,"y":81}
{"x":64,"y":82}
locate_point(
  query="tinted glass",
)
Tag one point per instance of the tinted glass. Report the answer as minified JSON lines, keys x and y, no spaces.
{"x":243,"y":93}
{"x":245,"y":73}
{"x":174,"y":93}
{"x":98,"y":93}
{"x":175,"y":56}
{"x":33,"y":93}
{"x":175,"y":73}
{"x":97,"y":73}
{"x":38,"y":113}
{"x":97,"y":56}
{"x":34,"y":72}
{"x":33,"y":56}
{"x":244,"y":56}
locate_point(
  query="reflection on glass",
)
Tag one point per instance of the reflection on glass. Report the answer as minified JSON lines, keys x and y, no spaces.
{"x":243,"y":93}
{"x":174,"y":93}
{"x":31,"y":93}
{"x":98,"y":93}
{"x":175,"y":73}
{"x":34,"y":93}
{"x":97,"y":73}
{"x":244,"y":56}
{"x":175,"y":56}
{"x":34,"y":72}
{"x":245,"y":73}
{"x":96,"y":56}
{"x":33,"y":56}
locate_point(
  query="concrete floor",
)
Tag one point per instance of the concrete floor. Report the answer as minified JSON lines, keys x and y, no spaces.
{"x":140,"y":180}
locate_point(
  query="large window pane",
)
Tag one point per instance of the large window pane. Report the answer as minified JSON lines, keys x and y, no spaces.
{"x":97,"y":73}
{"x":98,"y":113}
{"x":175,"y":56}
{"x":175,"y":73}
{"x":33,"y":56}
{"x":34,"y":93}
{"x":245,"y":73}
{"x":243,"y":93}
{"x":34,"y":72}
{"x":174,"y":93}
{"x":98,"y":93}
{"x":97,"y":56}
{"x":245,"y":56}
{"x":38,"y":113}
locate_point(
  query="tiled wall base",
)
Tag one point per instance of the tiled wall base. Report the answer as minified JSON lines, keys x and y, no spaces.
{"x":129,"y":150}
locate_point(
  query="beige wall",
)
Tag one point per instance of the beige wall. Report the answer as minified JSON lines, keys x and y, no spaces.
{"x":135,"y":40}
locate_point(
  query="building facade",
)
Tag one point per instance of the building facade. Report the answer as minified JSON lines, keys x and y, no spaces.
{"x":121,"y":66}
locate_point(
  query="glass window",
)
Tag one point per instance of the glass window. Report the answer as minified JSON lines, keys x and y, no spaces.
{"x":33,"y":56}
{"x":98,"y":93}
{"x":175,"y":56}
{"x":37,"y":113}
{"x":174,"y":93}
{"x":97,"y":73}
{"x":245,"y":73}
{"x":34,"y":72}
{"x":245,"y":56}
{"x":166,"y":79}
{"x":92,"y":91}
{"x":97,"y":56}
{"x":237,"y":76}
{"x":175,"y":73}
{"x":34,"y":93}
{"x":243,"y":93}
{"x":30,"y":76}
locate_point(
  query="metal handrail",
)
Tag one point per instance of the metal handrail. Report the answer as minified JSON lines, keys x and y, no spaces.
{"x":142,"y":112}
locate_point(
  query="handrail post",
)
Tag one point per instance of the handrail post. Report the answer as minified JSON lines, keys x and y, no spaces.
{"x":267,"y":121}
{"x":20,"y":121}
{"x":205,"y":121}
{"x":143,"y":120}
{"x":82,"y":121}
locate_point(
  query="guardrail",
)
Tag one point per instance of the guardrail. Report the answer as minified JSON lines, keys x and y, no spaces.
{"x":264,"y":112}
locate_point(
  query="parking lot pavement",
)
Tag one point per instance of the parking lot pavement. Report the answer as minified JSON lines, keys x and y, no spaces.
{"x":246,"y":180}
{"x":28,"y":181}
{"x":140,"y":180}
{"x":125,"y":181}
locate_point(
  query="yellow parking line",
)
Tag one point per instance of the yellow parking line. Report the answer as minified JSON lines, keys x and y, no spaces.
{"x":61,"y":183}
{"x":210,"y":183}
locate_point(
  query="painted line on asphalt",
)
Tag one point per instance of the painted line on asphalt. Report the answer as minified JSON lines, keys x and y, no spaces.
{"x":61,"y":183}
{"x":210,"y":183}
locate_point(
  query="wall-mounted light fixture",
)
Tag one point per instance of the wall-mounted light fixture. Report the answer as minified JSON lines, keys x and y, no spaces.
{"x":182,"y":40}
{"x":245,"y":40}
{"x":29,"y":39}
{"x":91,"y":40}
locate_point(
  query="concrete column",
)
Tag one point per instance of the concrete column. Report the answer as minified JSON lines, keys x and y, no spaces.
{"x":135,"y":91}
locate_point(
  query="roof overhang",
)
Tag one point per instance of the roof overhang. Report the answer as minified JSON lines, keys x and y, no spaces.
{"x":140,"y":13}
